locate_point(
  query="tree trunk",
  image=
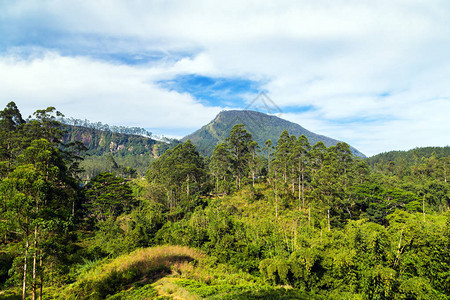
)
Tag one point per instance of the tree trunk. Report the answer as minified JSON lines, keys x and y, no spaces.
{"x":187,"y":187}
{"x":276,"y":200}
{"x":253,"y":178}
{"x":24,"y":287}
{"x":423,"y":207}
{"x":41,"y":276}
{"x":299,"y":192}
{"x":294,"y":246}
{"x":303,"y":190}
{"x":397,"y":257}
{"x":34,"y":264}
{"x":293,"y":187}
{"x":328,"y":215}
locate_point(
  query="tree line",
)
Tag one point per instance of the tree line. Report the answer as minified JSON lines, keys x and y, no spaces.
{"x":105,"y":127}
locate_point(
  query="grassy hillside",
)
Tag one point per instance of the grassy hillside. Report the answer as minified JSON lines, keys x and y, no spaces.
{"x":168,"y":272}
{"x":261,"y":126}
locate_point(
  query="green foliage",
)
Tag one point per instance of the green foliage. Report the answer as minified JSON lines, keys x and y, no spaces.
{"x":127,"y":152}
{"x":180,"y":175}
{"x":39,"y":191}
{"x":137,"y":292}
{"x":310,"y":222}
{"x":409,"y":157}
{"x":108,"y":195}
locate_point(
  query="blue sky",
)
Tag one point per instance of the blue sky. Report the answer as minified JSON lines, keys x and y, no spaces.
{"x":213,"y":91}
{"x":371,"y":73}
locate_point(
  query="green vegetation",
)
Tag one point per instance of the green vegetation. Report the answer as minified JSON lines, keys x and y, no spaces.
{"x":296,"y":221}
{"x":120,"y":150}
{"x":261,"y":126}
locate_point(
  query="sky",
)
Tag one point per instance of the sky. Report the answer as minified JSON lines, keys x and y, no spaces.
{"x":375,"y":74}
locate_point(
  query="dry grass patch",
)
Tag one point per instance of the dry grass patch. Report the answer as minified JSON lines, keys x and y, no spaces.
{"x":142,"y":266}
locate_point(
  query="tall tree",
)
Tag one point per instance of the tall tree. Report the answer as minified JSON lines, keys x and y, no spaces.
{"x":37,"y":186}
{"x":268,"y":148}
{"x":239,"y":143}
{"x":10,"y":123}
{"x":253,"y":160}
{"x":179,"y":171}
{"x":220,"y":165}
{"x":299,"y":159}
{"x":20,"y":190}
{"x":283,"y":153}
{"x":108,"y":196}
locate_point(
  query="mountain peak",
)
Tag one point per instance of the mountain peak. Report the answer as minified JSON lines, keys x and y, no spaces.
{"x":262,"y":127}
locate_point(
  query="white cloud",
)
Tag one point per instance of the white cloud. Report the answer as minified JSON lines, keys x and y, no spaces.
{"x":386,"y":62}
{"x":99,"y":91}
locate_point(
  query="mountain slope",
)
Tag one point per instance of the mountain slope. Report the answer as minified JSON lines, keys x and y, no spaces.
{"x":109,"y":151}
{"x":99,"y":142}
{"x":261,"y":126}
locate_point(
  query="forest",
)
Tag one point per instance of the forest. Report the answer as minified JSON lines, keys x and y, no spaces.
{"x":291,"y":221}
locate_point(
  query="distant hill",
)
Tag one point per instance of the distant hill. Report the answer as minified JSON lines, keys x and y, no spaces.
{"x":410,"y":156}
{"x":99,"y":142}
{"x":260,"y":125}
{"x":127,"y":155}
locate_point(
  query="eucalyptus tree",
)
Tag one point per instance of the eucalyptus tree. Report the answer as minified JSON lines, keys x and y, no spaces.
{"x":37,"y":188}
{"x":268,"y":147}
{"x":283,"y":152}
{"x":19,"y":191}
{"x":275,"y":180}
{"x":180,"y":171}
{"x":326,"y":187}
{"x":38,"y":192}
{"x":239,"y":144}
{"x":317,"y":156}
{"x":220,"y":164}
{"x":253,"y":160}
{"x":299,"y":160}
{"x":11,"y":122}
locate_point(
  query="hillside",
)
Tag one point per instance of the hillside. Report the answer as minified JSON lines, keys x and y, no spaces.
{"x":409,"y":157}
{"x":109,"y":151}
{"x":99,"y":142}
{"x":261,"y":126}
{"x":170,"y":272}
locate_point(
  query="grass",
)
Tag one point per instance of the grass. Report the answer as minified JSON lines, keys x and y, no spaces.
{"x":141,"y":267}
{"x":169,"y":272}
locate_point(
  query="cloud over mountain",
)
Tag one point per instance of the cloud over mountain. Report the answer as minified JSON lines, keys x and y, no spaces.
{"x":374,"y":74}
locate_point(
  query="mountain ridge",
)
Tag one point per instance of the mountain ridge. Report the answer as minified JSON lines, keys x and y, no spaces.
{"x":261,"y":126}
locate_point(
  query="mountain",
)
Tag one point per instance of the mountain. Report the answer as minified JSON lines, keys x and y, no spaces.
{"x":260,"y":125}
{"x":99,"y":142}
{"x":110,"y":151}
